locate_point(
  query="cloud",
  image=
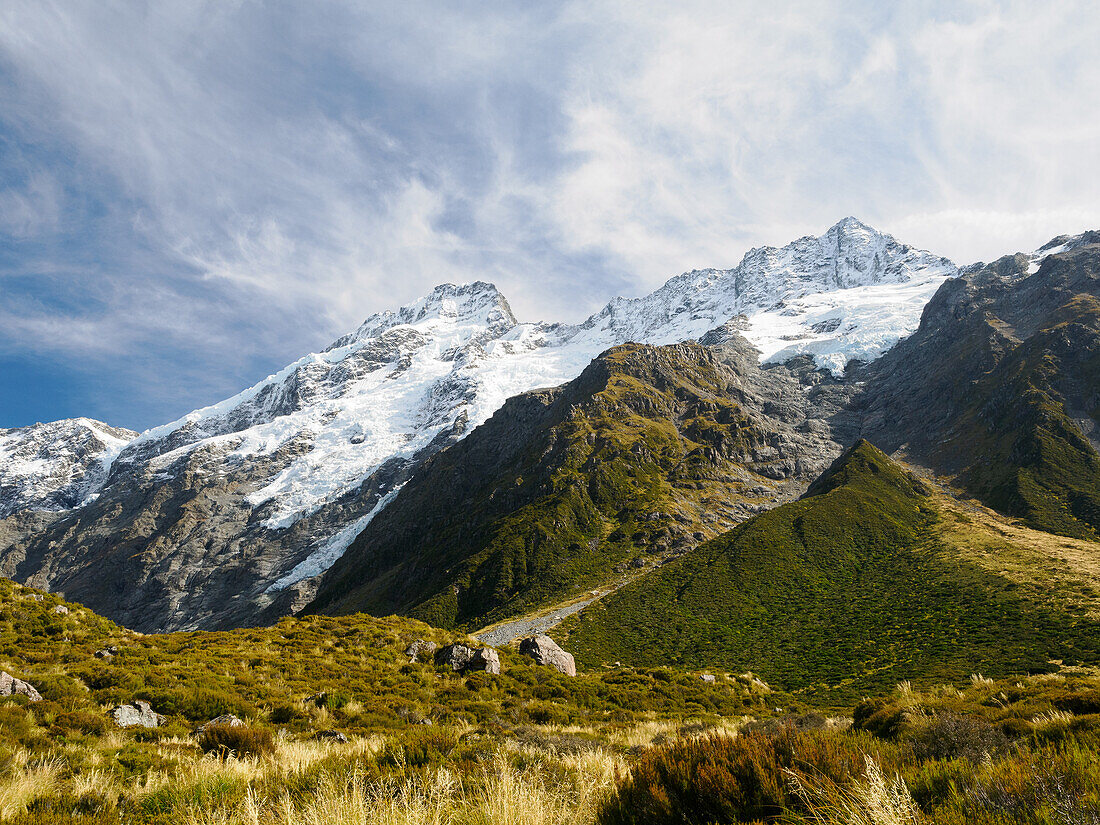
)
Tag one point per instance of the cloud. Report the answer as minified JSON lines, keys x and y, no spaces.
{"x":230,"y":184}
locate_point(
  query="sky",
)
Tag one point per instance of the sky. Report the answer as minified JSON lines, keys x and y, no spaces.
{"x":193,"y":194}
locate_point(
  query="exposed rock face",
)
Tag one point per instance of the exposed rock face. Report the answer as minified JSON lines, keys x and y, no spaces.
{"x":227,"y":720}
{"x":106,"y":653}
{"x":228,"y":515}
{"x":10,"y":686}
{"x":545,"y":651}
{"x":137,"y":714}
{"x":60,"y":610}
{"x":331,"y":736}
{"x":461,"y":658}
{"x":1001,"y":386}
{"x":417,"y":647}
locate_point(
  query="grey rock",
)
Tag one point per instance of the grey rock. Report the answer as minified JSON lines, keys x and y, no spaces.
{"x":331,"y":736}
{"x":10,"y":686}
{"x":106,"y":653}
{"x":60,"y":610}
{"x":138,"y":714}
{"x":227,"y":720}
{"x":708,"y":677}
{"x":461,"y":658}
{"x":419,"y":646}
{"x":546,"y":651}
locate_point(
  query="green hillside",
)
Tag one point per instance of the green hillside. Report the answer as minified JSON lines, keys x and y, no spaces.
{"x":649,"y":450}
{"x":846,"y":590}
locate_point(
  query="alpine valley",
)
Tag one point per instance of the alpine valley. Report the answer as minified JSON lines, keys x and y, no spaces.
{"x":701,"y":476}
{"x":812,"y":539}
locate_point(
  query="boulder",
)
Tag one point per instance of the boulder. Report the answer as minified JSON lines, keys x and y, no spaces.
{"x":545,"y":651}
{"x":485,"y":658}
{"x":10,"y":686}
{"x":60,"y":610}
{"x":331,"y":736}
{"x":707,"y":677}
{"x":227,"y":720}
{"x":106,"y":653}
{"x":417,"y":647}
{"x":138,"y":714}
{"x":461,"y":658}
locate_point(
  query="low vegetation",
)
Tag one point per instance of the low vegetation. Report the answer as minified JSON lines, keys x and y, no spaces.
{"x":846,"y":591}
{"x":633,"y":458}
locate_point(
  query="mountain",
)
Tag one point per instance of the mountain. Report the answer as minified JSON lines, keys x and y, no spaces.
{"x":647,"y":452}
{"x":56,"y":466}
{"x":999,"y":387}
{"x":230,"y":514}
{"x":859,"y":584}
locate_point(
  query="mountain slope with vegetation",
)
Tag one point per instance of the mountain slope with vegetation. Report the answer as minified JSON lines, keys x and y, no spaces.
{"x":845,"y":590}
{"x":1000,"y":386}
{"x":649,"y":451}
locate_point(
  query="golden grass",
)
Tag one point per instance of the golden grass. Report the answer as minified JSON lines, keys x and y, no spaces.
{"x":565,"y":791}
{"x":26,"y":780}
{"x":873,"y":800}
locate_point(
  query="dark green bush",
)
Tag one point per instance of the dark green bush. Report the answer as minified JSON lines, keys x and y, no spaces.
{"x":723,"y":779}
{"x":236,"y":740}
{"x":94,"y":724}
{"x":284,"y":714}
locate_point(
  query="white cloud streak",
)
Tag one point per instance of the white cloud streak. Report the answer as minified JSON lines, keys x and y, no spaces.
{"x":287,"y":172}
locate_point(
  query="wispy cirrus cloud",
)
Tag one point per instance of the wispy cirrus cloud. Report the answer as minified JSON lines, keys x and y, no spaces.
{"x":192,"y":194}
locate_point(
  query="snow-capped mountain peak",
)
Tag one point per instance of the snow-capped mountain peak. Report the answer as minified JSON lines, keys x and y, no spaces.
{"x":478,"y":304}
{"x":57,"y":465}
{"x":446,"y":362}
{"x":288,"y":471}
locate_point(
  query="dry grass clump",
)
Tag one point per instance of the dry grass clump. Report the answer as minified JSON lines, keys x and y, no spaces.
{"x":25,"y":780}
{"x":872,"y":800}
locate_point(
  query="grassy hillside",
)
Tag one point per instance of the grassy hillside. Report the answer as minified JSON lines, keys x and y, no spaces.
{"x":647,"y":451}
{"x":528,"y":746}
{"x":845,"y":591}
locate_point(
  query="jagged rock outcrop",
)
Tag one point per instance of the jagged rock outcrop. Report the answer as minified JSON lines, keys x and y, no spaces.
{"x":10,"y":686}
{"x":227,"y":720}
{"x":461,"y":658}
{"x":417,"y":647}
{"x":545,"y":651}
{"x":137,"y":714}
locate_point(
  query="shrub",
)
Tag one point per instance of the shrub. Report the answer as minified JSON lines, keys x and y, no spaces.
{"x":882,"y":717}
{"x":421,"y":747}
{"x":284,"y":714}
{"x":236,"y":740}
{"x":954,"y":736}
{"x":722,"y":779}
{"x":94,"y":724}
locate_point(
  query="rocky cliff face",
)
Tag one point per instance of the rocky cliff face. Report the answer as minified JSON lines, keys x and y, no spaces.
{"x":1000,"y":386}
{"x":229,"y":514}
